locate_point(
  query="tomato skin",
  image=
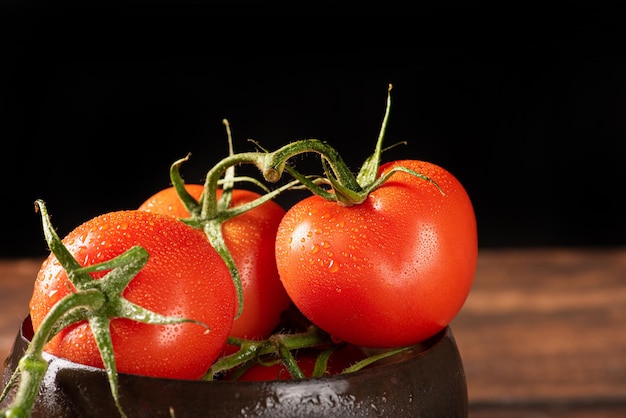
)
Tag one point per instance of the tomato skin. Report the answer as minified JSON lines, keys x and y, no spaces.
{"x":167,"y":202}
{"x":250,"y":239}
{"x":184,"y":277}
{"x":389,"y":272}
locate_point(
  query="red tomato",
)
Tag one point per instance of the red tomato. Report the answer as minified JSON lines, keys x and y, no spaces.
{"x":338,"y":361}
{"x":184,"y":277}
{"x":250,"y":239}
{"x":389,"y":272}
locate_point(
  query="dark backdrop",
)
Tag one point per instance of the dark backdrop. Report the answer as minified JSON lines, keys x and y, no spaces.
{"x":528,"y":110}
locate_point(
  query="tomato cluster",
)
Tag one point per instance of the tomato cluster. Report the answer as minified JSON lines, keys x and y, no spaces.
{"x":197,"y":281}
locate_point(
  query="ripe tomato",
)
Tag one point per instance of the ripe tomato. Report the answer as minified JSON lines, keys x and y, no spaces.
{"x":389,"y":272}
{"x":337,"y":362}
{"x":250,"y":239}
{"x":183,"y":277}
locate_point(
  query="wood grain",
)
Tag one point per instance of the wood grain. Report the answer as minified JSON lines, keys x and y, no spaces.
{"x":542,"y":334}
{"x":545,"y":330}
{"x":16,"y":285}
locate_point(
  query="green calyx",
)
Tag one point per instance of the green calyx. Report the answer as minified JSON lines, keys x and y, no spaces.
{"x":210,"y":213}
{"x":347,"y":189}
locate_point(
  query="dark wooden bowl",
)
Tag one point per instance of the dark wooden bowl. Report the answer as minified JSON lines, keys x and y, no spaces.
{"x":429,"y":381}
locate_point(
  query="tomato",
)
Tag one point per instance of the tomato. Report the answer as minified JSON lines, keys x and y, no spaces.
{"x":183,"y":277}
{"x":337,"y":362}
{"x":389,"y":272}
{"x":250,"y":239}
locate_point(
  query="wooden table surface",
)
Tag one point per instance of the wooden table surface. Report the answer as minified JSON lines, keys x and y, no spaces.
{"x":542,"y":334}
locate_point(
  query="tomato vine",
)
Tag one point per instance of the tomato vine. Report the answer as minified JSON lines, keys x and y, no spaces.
{"x":100,"y":301}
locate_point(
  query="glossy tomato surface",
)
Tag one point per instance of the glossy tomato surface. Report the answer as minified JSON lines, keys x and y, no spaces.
{"x":250,"y":239}
{"x":184,"y":277}
{"x":389,"y":272}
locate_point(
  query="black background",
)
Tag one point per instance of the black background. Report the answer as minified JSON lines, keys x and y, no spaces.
{"x":526,"y":108}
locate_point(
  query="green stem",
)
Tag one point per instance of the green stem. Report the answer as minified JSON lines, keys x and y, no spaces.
{"x":321,"y":363}
{"x":209,"y":201}
{"x":290,"y":362}
{"x":213,"y":231}
{"x":188,"y":200}
{"x":374,"y":358}
{"x":274,"y":163}
{"x":211,"y":213}
{"x":32,"y":366}
{"x":94,"y":300}
{"x":228,"y":184}
{"x":250,"y":349}
{"x":369,"y":170}
{"x":347,"y":188}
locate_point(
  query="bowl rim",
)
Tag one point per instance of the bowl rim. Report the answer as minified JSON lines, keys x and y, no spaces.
{"x":416,"y":351}
{"x":421,"y":381}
